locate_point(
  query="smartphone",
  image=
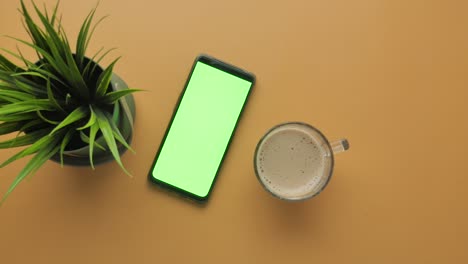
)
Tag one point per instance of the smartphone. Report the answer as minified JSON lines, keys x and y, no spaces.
{"x":201,"y":128}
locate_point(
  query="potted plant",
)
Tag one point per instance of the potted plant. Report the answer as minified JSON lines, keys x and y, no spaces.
{"x":64,"y":106}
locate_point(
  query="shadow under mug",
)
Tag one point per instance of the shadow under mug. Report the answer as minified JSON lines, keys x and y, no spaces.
{"x":294,"y":161}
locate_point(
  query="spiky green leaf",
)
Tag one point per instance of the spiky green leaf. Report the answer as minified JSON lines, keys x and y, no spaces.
{"x":39,"y":144}
{"x":45,"y":119}
{"x":26,"y":139}
{"x":15,"y":96}
{"x":82,"y":35}
{"x":108,"y":134}
{"x":51,"y":76}
{"x":9,"y":127}
{"x":86,"y":140}
{"x":98,"y":61}
{"x":26,"y":106}
{"x":89,"y":36}
{"x":52,"y":99}
{"x":77,"y":115}
{"x":66,"y":139}
{"x":7,"y":64}
{"x":92,"y":142}
{"x":50,"y":59}
{"x":18,"y":117}
{"x":29,"y":73}
{"x":112,"y":97}
{"x":118,"y":136}
{"x":34,"y":164}
{"x":52,"y":38}
{"x":90,"y":62}
{"x":18,"y":56}
{"x":92,"y":120}
{"x":27,"y":127}
{"x":34,"y":31}
{"x":105,"y":78}
{"x":54,"y":14}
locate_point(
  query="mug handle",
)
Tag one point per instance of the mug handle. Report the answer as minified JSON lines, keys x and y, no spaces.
{"x":339,"y":146}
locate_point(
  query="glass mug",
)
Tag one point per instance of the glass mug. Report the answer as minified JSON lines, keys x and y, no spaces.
{"x":294,"y":161}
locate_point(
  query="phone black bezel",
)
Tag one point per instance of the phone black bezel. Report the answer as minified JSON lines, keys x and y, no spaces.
{"x":226,"y":68}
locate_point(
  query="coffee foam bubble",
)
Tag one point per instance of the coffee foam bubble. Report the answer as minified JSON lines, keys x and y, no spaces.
{"x":292,"y":163}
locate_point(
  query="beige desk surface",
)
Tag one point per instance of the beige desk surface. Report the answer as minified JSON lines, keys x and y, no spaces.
{"x":391,"y":76}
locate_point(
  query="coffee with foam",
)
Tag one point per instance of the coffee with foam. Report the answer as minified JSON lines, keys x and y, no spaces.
{"x":294,"y":161}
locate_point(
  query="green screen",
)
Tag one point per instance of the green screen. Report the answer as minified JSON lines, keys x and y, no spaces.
{"x":201,"y":129}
